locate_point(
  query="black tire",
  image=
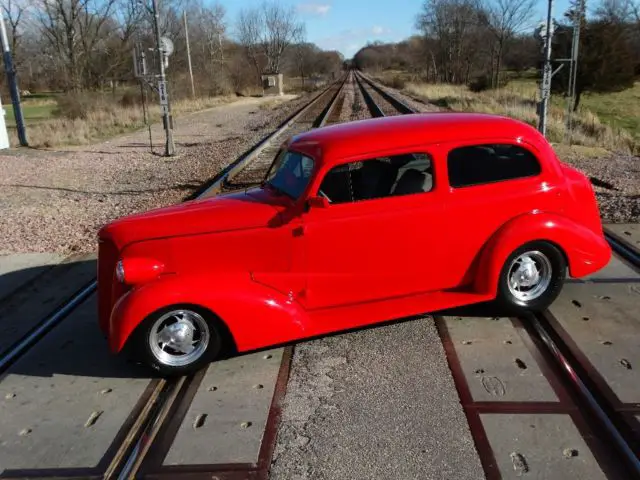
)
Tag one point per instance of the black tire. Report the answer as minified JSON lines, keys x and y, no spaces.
{"x":558,"y":267}
{"x":144,"y":352}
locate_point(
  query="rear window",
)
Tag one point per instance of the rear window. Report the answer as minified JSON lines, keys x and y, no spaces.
{"x":481,"y":164}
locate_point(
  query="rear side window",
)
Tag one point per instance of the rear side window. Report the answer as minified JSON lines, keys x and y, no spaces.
{"x":479,"y":164}
{"x":378,"y":178}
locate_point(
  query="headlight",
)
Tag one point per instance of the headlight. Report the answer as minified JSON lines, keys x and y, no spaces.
{"x":120,"y":271}
{"x":139,"y":270}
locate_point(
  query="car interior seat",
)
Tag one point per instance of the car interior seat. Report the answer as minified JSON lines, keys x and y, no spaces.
{"x":411,"y":181}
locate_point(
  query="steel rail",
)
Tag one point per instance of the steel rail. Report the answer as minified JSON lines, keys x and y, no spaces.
{"x":397,"y":103}
{"x":236,"y":167}
{"x":373,"y":107}
{"x":46,"y":325}
{"x":625,"y":250}
{"x":614,"y":427}
{"x":593,"y":400}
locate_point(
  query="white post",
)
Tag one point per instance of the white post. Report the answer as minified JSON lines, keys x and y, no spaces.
{"x":4,"y":137}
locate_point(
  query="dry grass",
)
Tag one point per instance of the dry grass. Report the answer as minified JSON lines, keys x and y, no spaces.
{"x":519,"y":101}
{"x":109,"y":120}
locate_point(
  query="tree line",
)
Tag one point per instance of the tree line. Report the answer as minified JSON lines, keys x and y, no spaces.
{"x":77,"y":45}
{"x":473,"y":42}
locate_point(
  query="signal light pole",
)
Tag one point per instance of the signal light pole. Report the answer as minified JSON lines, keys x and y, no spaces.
{"x":167,"y":120}
{"x":13,"y":85}
{"x":545,"y":87}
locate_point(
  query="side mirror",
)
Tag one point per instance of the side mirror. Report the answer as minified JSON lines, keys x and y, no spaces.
{"x":317,"y":202}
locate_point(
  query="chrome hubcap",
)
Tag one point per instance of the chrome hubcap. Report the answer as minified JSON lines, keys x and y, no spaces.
{"x":529,"y":276}
{"x":179,"y":338}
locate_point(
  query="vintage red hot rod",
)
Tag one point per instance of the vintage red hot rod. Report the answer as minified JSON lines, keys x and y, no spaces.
{"x":354,"y":224}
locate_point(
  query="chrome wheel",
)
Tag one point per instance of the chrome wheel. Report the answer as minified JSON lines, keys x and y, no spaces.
{"x":179,"y":338}
{"x":529,"y":276}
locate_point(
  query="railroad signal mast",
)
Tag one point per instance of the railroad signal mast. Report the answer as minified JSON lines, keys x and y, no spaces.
{"x":546,"y":33}
{"x":573,"y":71}
{"x":157,"y":81}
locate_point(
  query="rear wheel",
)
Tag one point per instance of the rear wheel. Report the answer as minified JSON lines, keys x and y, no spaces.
{"x":532,"y":277}
{"x":178,"y":340}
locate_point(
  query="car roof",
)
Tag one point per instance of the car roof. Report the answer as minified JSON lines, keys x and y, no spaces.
{"x":375,"y":134}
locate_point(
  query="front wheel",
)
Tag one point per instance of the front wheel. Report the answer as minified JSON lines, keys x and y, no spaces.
{"x":532,"y":277}
{"x":178,"y":340}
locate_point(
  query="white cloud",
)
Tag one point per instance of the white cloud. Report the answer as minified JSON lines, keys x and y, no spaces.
{"x":378,"y":30}
{"x":350,"y":41}
{"x":320,"y":9}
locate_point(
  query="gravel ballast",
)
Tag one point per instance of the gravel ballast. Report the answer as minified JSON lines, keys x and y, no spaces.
{"x":55,"y":201}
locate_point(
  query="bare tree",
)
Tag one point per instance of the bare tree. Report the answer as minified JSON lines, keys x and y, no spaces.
{"x":74,"y":29}
{"x":15,"y":11}
{"x":250,"y":28}
{"x":452,"y":27}
{"x":266,"y":32}
{"x":506,"y":18}
{"x":617,"y":11}
{"x":301,"y":52}
{"x":281,"y":27}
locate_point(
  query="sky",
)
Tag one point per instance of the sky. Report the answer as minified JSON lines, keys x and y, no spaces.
{"x":347,"y":25}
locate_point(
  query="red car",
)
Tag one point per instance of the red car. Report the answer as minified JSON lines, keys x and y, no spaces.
{"x":354,"y":224}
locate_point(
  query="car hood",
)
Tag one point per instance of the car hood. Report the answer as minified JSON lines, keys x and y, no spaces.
{"x":248,"y":209}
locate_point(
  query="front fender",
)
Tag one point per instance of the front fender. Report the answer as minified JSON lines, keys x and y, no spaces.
{"x":585,"y":250}
{"x":256,"y":315}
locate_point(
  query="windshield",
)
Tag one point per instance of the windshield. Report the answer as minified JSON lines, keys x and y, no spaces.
{"x":290,"y":173}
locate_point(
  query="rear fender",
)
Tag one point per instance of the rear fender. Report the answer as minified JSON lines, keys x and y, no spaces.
{"x":585,"y":250}
{"x":256,"y":315}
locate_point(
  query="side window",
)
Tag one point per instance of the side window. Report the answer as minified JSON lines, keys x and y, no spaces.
{"x":379,"y":177}
{"x":480,"y":164}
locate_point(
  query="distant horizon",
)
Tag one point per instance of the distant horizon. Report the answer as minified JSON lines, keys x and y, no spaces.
{"x":340,"y":24}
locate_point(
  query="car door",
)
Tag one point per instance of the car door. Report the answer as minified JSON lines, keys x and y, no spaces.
{"x":383,"y":234}
{"x":491,"y":181}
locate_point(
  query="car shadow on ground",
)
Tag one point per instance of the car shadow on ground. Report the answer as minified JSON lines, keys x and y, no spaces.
{"x":74,"y":345}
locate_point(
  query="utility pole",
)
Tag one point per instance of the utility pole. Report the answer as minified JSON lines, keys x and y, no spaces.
{"x":167,"y":120}
{"x":186,"y":34}
{"x":13,"y":85}
{"x":545,"y":87}
{"x":573,"y":71}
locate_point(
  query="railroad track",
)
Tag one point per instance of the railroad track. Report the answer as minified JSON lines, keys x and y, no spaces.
{"x":609,"y":426}
{"x":143,"y":438}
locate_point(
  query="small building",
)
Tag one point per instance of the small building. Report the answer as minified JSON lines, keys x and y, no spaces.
{"x":272,"y":84}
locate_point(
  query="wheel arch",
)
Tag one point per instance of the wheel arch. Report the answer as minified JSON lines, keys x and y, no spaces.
{"x":228,"y":341}
{"x":583,"y":250}
{"x":252,"y":315}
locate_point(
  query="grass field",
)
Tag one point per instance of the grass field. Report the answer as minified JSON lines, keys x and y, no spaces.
{"x":34,"y":109}
{"x":618,"y":109}
{"x":105,"y":117}
{"x":53,"y":120}
{"x":603,"y":120}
